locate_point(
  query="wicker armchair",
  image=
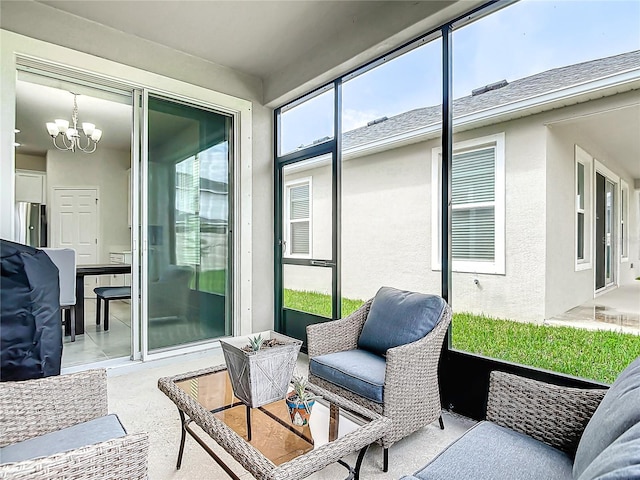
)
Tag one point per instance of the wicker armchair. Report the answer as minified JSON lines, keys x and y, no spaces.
{"x":411,"y":396}
{"x":32,"y":408}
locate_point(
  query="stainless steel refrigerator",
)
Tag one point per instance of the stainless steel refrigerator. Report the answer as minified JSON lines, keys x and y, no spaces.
{"x":31,"y":224}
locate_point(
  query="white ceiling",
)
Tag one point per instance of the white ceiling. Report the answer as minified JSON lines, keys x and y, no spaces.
{"x":255,"y":37}
{"x":37,"y":104}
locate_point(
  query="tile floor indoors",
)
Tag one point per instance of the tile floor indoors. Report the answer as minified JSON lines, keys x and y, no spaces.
{"x":95,"y":344}
{"x":134,"y":396}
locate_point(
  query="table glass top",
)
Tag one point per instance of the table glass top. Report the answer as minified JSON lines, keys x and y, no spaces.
{"x":272,"y":432}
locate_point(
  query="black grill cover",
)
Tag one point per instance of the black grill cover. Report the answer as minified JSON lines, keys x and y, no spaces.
{"x":30,"y":330}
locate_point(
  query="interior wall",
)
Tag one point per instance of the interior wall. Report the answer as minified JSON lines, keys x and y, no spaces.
{"x":107,"y":170}
{"x":31,"y":162}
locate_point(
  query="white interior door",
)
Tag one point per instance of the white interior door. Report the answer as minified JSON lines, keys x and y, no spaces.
{"x":74,"y":224}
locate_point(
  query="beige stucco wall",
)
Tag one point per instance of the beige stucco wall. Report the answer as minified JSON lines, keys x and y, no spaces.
{"x":519,"y":293}
{"x":386,"y":223}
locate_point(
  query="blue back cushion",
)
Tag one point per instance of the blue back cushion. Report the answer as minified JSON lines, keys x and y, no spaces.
{"x":398,"y":317}
{"x":617,"y":413}
{"x":619,"y":461}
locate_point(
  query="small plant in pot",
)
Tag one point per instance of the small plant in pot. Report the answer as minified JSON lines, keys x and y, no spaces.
{"x":300,"y":401}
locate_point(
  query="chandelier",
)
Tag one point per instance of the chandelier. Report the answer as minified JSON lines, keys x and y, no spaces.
{"x":71,"y":138}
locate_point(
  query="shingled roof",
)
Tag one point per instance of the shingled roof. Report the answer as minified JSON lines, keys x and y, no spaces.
{"x":514,"y":91}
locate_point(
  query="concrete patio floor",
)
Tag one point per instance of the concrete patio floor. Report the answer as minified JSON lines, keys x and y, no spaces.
{"x":617,"y":309}
{"x":134,"y":396}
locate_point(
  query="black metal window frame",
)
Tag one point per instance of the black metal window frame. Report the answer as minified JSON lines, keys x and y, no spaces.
{"x":332,"y":147}
{"x":464,"y":375}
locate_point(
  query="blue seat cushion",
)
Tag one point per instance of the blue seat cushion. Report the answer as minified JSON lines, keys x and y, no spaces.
{"x":94,"y":431}
{"x":491,"y":452}
{"x":114,"y":293}
{"x":619,"y":461}
{"x":618,"y":411}
{"x":398,"y":317}
{"x":358,"y":371}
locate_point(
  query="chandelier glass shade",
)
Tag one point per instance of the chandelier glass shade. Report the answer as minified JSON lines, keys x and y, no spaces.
{"x":70,"y":137}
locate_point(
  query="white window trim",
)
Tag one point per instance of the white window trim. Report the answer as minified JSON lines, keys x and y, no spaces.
{"x":581,"y":156}
{"x":496,"y":267}
{"x":624,"y":217}
{"x":287,"y":226}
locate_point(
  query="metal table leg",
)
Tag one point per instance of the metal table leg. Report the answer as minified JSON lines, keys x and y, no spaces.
{"x":354,"y":472}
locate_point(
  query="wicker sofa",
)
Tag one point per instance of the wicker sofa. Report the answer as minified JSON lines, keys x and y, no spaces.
{"x":58,"y":427}
{"x":535,"y":431}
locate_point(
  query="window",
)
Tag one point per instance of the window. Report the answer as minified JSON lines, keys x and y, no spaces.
{"x":298,"y":234}
{"x":187,"y":211}
{"x":308,"y":122}
{"x":583,"y":168}
{"x":477,"y":206}
{"x":624,"y":215}
{"x":580,"y":210}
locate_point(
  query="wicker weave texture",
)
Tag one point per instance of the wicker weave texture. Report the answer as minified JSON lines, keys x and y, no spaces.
{"x":119,"y":459}
{"x":338,"y":335}
{"x":255,"y":462}
{"x":552,"y":414}
{"x":35,"y":407}
{"x":411,"y":397}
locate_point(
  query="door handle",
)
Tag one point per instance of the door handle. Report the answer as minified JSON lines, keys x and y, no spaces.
{"x":321,"y":263}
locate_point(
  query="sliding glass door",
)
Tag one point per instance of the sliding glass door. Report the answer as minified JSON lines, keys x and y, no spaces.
{"x":186,"y":234}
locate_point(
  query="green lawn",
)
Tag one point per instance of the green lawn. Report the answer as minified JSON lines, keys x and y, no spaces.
{"x":212,"y":281}
{"x":596,"y":355}
{"x":317,"y":303}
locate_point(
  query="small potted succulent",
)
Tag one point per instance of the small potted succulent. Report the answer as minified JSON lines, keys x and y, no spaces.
{"x":300,"y":401}
{"x":260,"y":366}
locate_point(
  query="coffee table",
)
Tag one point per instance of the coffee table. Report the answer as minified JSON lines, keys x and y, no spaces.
{"x":263,"y":440}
